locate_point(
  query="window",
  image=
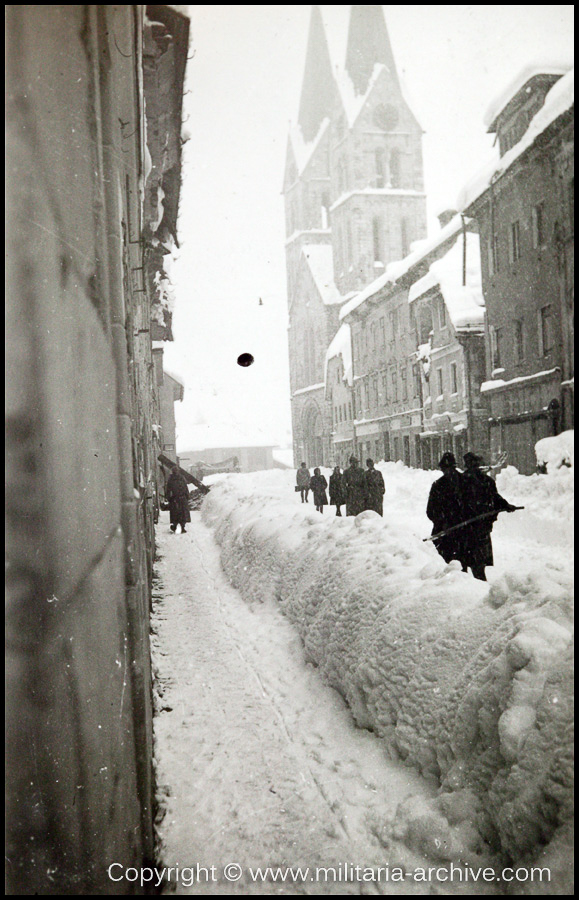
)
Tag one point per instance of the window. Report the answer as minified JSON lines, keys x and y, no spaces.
{"x":416,"y":379}
{"x":404,"y":237}
{"x":377,"y":239}
{"x":545,"y":330}
{"x":349,"y":410}
{"x":366,"y":394}
{"x":495,"y":336}
{"x":440,"y":382}
{"x":442,"y":314}
{"x":538,"y":219}
{"x":515,"y":241}
{"x":453,"y":378}
{"x":382,"y":326}
{"x":345,"y":412}
{"x":404,"y":379}
{"x":375,"y":390}
{"x":339,"y":413}
{"x":379,"y":157}
{"x":384,"y":387}
{"x":394,"y":380}
{"x":395,"y":168}
{"x":519,"y":340}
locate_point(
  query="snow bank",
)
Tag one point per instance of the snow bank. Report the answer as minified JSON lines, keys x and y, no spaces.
{"x":556,"y":452}
{"x":467,"y":681}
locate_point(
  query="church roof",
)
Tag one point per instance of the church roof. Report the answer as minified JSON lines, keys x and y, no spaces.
{"x":368,"y":44}
{"x":318,"y":86}
{"x":321,"y":264}
{"x":302,"y":150}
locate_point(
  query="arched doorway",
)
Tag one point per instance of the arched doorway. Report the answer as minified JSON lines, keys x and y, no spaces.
{"x":313,"y":432}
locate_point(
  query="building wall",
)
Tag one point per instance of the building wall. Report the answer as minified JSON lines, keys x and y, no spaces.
{"x":528,"y":294}
{"x":339,"y":398}
{"x":81,"y":402}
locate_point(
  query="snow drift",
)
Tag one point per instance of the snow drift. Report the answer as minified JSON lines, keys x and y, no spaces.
{"x":467,"y":681}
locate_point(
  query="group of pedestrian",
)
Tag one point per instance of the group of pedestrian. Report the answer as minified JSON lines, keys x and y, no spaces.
{"x":355,"y":488}
{"x":463,"y":507}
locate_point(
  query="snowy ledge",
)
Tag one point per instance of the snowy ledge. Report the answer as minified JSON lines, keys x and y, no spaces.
{"x":470,"y":683}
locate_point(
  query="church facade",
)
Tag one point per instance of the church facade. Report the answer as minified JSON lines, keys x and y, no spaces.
{"x":354,"y":201}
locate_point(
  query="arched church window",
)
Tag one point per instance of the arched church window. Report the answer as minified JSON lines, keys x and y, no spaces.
{"x":377,"y":239}
{"x":395,"y":168}
{"x":404,"y":237}
{"x":379,"y":158}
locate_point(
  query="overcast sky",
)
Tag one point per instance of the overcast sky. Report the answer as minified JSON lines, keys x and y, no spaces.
{"x":243,"y":89}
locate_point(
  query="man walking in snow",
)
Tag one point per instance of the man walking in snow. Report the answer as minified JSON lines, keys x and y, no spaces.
{"x":480,"y":496}
{"x":355,"y":485}
{"x":303,"y":481}
{"x":337,"y":492}
{"x":374,"y":488}
{"x":177,"y":494}
{"x":445,"y":509}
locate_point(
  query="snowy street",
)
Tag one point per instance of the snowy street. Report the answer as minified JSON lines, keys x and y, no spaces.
{"x":259,"y":762}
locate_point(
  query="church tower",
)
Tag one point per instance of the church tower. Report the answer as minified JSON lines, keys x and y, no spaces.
{"x":354,"y":202}
{"x":378,"y":203}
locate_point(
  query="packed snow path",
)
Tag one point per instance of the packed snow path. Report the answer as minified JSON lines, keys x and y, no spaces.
{"x":258,"y":762}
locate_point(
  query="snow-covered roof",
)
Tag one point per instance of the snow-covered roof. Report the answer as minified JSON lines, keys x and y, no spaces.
{"x":320,"y":260}
{"x":353,"y":103}
{"x":530,"y":70}
{"x":498,"y":383}
{"x":379,"y":192}
{"x":303,"y":151}
{"x":341,"y":345}
{"x":174,"y":377}
{"x":396,"y":270}
{"x":560,"y":98}
{"x":464,"y":302}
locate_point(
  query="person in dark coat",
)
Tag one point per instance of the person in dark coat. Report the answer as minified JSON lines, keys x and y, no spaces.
{"x":355,"y":488}
{"x":445,"y":509}
{"x":480,"y":495}
{"x":337,"y":492}
{"x":374,"y":488}
{"x":177,"y":494}
{"x":303,"y":481}
{"x":318,"y":485}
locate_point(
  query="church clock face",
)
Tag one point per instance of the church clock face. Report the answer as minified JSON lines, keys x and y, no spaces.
{"x":386,"y":117}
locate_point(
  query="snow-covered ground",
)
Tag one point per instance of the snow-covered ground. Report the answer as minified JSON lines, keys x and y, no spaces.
{"x":259,"y":762}
{"x":466,"y":681}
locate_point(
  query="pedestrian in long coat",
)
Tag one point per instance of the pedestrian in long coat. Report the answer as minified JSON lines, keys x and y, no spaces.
{"x":480,"y":495}
{"x":355,"y":485}
{"x":337,"y":490}
{"x":303,"y":479}
{"x":445,"y":509}
{"x":318,"y":485}
{"x":177,"y":494}
{"x":375,"y":488}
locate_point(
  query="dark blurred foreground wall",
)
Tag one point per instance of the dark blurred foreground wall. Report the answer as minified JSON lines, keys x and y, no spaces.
{"x":93,"y":177}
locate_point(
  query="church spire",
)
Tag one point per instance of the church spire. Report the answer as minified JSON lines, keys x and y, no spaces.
{"x":368,"y":44}
{"x":318,"y":85}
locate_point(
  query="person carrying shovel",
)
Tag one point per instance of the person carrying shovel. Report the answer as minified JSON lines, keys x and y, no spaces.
{"x":471,"y":498}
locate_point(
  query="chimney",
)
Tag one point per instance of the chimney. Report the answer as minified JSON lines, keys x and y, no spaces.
{"x":445,"y":216}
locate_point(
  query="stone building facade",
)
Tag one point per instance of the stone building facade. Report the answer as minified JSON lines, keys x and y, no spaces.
{"x":524,"y":212}
{"x":81,"y":403}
